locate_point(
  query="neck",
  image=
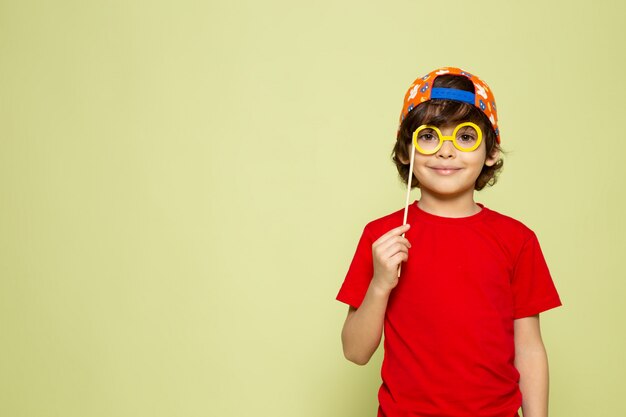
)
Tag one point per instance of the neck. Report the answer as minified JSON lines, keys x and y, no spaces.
{"x":449,"y":206}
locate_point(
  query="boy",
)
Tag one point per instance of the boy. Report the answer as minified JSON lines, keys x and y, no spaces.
{"x":461,"y":322}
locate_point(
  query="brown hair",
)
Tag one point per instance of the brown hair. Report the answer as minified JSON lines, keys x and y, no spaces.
{"x":440,"y":112}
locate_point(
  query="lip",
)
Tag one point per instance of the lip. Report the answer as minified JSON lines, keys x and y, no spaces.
{"x":445,"y":170}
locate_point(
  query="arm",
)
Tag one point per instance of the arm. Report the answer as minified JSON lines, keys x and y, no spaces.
{"x":363,"y":328}
{"x":532,"y":363}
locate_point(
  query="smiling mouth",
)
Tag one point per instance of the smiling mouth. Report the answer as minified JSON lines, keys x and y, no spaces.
{"x":446,"y":171}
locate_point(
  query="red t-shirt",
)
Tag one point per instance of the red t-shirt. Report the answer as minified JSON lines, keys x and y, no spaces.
{"x":449,"y":347}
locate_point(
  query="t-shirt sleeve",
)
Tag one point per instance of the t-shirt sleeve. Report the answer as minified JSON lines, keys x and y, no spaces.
{"x":532,"y":285}
{"x":359,"y":274}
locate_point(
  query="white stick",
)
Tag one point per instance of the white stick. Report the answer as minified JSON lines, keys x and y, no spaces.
{"x":408,"y":194}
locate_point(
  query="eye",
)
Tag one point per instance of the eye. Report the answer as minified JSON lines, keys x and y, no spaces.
{"x":467,"y":135}
{"x":467,"y":138}
{"x":427,"y":136}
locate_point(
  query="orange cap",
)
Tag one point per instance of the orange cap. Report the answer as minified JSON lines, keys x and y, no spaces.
{"x":422,"y":90}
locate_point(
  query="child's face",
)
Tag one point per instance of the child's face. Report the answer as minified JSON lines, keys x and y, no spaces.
{"x":464,"y":167}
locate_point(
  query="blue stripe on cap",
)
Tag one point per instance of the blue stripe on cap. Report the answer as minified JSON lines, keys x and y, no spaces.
{"x":453,"y":94}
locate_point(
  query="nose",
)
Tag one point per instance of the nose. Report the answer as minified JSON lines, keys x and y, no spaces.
{"x":447,"y":150}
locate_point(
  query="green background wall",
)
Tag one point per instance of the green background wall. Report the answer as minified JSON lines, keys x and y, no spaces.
{"x":183,"y":185}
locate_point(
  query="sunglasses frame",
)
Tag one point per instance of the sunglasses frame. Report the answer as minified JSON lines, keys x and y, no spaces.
{"x":452,"y":138}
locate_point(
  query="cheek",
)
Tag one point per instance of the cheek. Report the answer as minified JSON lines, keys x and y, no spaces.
{"x":421,"y":160}
{"x":477,"y":161}
{"x":479,"y":156}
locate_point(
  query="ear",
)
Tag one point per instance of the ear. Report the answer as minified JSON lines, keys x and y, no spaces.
{"x":408,"y":152}
{"x":493,"y":158}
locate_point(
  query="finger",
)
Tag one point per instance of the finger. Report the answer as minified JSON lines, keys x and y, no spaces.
{"x":398,"y":258}
{"x":393,"y":232}
{"x":393,"y":250}
{"x":396,"y":231}
{"x":385,"y":245}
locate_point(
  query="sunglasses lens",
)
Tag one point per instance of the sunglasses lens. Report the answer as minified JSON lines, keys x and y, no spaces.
{"x":427,"y":139}
{"x":466,"y":137}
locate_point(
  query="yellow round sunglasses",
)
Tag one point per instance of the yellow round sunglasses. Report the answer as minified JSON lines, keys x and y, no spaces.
{"x":466,"y":137}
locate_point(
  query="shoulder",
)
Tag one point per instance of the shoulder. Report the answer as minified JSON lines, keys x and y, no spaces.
{"x":381,"y":225}
{"x":508,"y":226}
{"x":507,"y":234}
